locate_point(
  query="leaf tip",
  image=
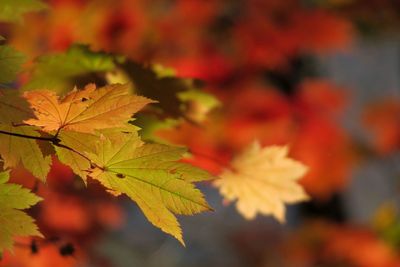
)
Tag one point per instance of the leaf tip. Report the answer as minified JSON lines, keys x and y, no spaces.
{"x":180,"y":239}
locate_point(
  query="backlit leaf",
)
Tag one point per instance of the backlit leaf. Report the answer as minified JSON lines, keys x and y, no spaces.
{"x":79,"y":142}
{"x":15,"y":149}
{"x":149,"y":175}
{"x":13,"y":221}
{"x":262,"y":180}
{"x":84,"y":110}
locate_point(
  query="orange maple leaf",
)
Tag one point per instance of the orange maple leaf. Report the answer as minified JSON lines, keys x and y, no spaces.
{"x":84,"y":110}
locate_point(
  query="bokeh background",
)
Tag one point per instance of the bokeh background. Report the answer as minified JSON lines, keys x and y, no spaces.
{"x":321,"y":76}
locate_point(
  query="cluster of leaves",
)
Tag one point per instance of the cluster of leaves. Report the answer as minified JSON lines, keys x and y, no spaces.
{"x":89,"y":131}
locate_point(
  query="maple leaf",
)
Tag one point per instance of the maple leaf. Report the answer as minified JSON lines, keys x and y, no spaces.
{"x":10,"y":63}
{"x":262,"y":180}
{"x":15,"y":149}
{"x":84,"y":110}
{"x":13,"y":108}
{"x":60,"y":71}
{"x":151,"y":176}
{"x":76,"y":141}
{"x":198,"y":104}
{"x":159,"y":83}
{"x":13,"y":221}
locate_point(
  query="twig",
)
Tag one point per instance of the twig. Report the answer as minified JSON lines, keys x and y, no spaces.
{"x":41,"y":138}
{"x":55,"y":141}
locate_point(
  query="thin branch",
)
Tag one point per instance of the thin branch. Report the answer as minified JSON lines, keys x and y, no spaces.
{"x":41,"y":138}
{"x":55,"y":141}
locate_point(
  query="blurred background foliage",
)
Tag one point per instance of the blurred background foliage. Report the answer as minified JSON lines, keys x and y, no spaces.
{"x":320,"y":75}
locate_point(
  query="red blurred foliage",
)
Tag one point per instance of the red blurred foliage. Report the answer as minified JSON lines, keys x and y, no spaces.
{"x":270,"y":41}
{"x":315,"y":243}
{"x":382,"y":119}
{"x":360,"y":247}
{"x":320,"y":31}
{"x":345,"y":245}
{"x":209,"y":40}
{"x":322,"y":143}
{"x":48,"y":255}
{"x":65,"y":213}
{"x":120,"y":28}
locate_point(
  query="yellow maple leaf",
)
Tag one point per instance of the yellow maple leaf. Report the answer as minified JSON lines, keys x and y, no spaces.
{"x":14,"y":149}
{"x":84,"y":110}
{"x":150,"y":175}
{"x":262,"y":180}
{"x":13,"y":220}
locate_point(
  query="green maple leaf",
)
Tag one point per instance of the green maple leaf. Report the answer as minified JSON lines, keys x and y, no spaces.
{"x":61,"y":71}
{"x":181,"y":97}
{"x":150,"y":124}
{"x":13,"y":221}
{"x":10,"y":63}
{"x":13,"y":10}
{"x":157,"y":84}
{"x":149,"y":174}
{"x":15,"y":149}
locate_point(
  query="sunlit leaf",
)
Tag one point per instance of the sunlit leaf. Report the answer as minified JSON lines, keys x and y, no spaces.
{"x":151,"y":176}
{"x":17,"y":149}
{"x":84,"y":110}
{"x":13,"y":221}
{"x":262,"y":180}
